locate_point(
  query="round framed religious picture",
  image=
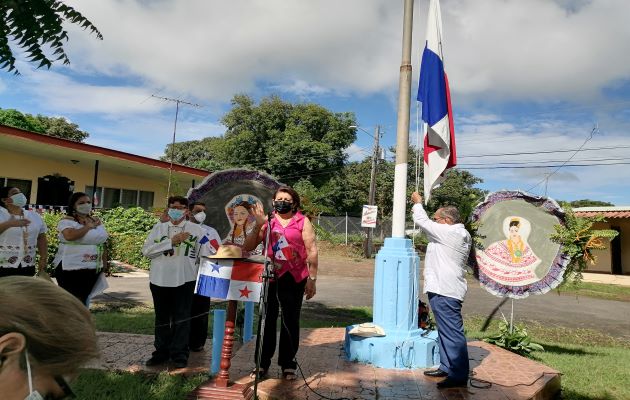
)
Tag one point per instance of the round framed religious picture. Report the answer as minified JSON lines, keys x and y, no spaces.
{"x":515,"y":256}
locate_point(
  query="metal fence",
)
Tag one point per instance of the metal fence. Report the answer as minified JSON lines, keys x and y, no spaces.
{"x":345,"y":225}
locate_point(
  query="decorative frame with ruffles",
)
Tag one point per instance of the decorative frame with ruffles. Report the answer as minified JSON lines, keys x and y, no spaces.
{"x":554,"y":276}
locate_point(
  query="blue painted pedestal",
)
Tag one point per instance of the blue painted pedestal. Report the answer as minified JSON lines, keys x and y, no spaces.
{"x":396,"y":311}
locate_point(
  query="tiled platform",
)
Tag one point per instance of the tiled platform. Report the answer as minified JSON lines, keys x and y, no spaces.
{"x":327,"y":372}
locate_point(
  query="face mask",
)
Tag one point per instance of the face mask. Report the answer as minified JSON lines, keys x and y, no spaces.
{"x":19,"y":200}
{"x":33,"y":395}
{"x":84,"y":208}
{"x":200,"y":217}
{"x":175,"y":214}
{"x":282,"y":206}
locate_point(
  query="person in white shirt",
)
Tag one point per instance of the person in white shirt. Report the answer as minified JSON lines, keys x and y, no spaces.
{"x":445,"y":285}
{"x":201,"y":304}
{"x":22,"y":233}
{"x":174,"y":248}
{"x":81,"y":256}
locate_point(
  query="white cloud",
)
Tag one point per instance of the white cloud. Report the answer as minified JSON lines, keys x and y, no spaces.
{"x":532,"y":141}
{"x":356,"y":153}
{"x":536,"y":49}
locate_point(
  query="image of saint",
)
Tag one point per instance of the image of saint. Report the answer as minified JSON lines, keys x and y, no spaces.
{"x":241,"y":220}
{"x":511,"y":261}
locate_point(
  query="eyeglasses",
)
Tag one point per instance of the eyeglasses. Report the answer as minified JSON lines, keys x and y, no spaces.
{"x":67,"y":391}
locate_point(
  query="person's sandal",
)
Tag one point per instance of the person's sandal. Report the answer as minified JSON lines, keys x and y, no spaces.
{"x":262,"y":374}
{"x":289,"y":374}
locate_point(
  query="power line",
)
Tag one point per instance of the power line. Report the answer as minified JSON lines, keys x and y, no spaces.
{"x":548,"y":166}
{"x":542,"y":161}
{"x":545,"y":151}
{"x":546,"y":179}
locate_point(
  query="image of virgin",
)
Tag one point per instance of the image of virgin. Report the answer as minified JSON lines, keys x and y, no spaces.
{"x":511,"y":261}
{"x":242,"y":222}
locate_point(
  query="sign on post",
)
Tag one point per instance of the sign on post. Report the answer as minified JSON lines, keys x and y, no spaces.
{"x":368,"y":217}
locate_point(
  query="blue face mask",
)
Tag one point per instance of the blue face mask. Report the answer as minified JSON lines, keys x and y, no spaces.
{"x":18,"y":199}
{"x":175,"y":214}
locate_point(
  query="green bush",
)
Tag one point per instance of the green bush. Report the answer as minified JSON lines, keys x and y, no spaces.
{"x":51,"y":219}
{"x":128,"y":229}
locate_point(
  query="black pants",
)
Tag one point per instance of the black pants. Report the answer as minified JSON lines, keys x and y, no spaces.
{"x":290,"y":295}
{"x":199,"y":321}
{"x":172,"y":320}
{"x":20,"y":270}
{"x":78,"y":282}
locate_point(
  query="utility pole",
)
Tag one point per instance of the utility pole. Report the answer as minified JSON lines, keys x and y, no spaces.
{"x":172,"y":155}
{"x":372,"y":195}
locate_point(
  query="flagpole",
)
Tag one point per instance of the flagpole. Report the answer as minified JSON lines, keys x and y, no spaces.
{"x":402,"y":131}
{"x":396,"y":270}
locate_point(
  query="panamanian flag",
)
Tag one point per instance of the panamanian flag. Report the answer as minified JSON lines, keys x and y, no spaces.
{"x":229,"y":279}
{"x":437,"y":113}
{"x":281,"y":249}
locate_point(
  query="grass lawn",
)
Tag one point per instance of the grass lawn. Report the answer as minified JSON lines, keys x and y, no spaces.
{"x":598,"y":290}
{"x":595,"y":366}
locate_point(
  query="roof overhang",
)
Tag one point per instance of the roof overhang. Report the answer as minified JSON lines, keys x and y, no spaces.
{"x":64,"y":150}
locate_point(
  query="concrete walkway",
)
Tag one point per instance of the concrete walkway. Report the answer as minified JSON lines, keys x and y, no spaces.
{"x":497,"y":373}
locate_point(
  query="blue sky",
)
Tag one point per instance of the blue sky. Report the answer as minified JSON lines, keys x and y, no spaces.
{"x":530,"y":80}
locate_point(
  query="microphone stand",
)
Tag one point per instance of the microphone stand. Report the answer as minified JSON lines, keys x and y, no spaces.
{"x":268,"y":274}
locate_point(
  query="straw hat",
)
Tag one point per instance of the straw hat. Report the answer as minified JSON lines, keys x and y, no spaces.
{"x":228,"y":251}
{"x":367,"y":329}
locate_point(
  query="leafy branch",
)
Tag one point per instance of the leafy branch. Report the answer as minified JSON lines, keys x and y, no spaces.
{"x":34,"y":25}
{"x":579,"y":239}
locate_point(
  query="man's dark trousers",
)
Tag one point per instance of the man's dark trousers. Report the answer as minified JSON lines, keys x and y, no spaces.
{"x":199,"y":321}
{"x":172,"y":320}
{"x":453,"y":347}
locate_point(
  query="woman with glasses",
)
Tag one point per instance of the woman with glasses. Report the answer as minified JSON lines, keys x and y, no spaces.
{"x":293,"y":249}
{"x":22,"y":235}
{"x":46,"y":335}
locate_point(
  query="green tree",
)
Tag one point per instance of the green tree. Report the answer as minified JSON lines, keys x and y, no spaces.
{"x":589,"y":203}
{"x":51,"y":126}
{"x":62,"y":128}
{"x":16,"y":119}
{"x":35,"y":26}
{"x":289,"y":141}
{"x":202,"y":154}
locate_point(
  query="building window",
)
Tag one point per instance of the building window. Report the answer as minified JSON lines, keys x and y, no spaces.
{"x":145,"y":200}
{"x":22,"y":184}
{"x":113,"y":197}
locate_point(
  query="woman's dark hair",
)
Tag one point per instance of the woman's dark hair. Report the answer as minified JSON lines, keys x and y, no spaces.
{"x":515,"y":222}
{"x":4,"y":193}
{"x":72,"y":200}
{"x":294,"y":195}
{"x":248,"y":207}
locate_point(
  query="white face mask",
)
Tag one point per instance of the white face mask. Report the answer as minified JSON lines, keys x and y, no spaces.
{"x":84,"y":208}
{"x":33,"y":395}
{"x":19,"y":200}
{"x":200,"y":217}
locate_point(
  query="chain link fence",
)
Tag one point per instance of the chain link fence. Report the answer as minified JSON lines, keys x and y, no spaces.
{"x":351,"y":226}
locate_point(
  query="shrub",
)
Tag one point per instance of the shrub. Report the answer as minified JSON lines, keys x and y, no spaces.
{"x":51,"y":219}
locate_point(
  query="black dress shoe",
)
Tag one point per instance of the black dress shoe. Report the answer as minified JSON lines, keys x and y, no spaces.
{"x":452,"y":383}
{"x":436,"y":373}
{"x":153,"y":361}
{"x":180,"y":364}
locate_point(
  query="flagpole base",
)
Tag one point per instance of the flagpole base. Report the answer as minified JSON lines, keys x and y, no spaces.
{"x":395,"y":310}
{"x":413,"y":349}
